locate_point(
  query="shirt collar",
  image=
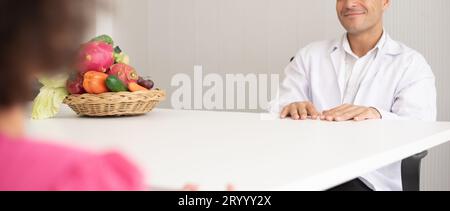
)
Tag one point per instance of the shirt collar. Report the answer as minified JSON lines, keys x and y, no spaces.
{"x":385,"y":44}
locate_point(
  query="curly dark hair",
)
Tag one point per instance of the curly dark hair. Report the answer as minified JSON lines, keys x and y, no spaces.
{"x":37,"y":36}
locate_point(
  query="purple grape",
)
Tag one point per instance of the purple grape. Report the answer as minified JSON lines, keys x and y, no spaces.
{"x":149,"y":84}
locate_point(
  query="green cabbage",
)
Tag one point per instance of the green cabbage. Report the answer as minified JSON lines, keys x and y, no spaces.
{"x":48,"y":103}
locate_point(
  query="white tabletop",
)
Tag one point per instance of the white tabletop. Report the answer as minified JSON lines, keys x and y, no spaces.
{"x":251,"y":151}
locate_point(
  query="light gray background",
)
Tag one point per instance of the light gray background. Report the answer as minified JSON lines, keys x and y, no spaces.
{"x":166,"y":37}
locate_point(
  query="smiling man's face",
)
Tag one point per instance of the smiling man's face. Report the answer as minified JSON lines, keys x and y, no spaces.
{"x":361,"y":15}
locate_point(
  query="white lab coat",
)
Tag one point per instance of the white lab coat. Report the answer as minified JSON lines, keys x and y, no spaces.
{"x":399,"y":83}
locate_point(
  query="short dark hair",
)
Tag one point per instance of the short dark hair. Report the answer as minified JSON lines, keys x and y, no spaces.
{"x":36,"y":36}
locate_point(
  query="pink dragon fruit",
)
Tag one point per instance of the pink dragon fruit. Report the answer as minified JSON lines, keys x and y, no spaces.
{"x":95,"y":56}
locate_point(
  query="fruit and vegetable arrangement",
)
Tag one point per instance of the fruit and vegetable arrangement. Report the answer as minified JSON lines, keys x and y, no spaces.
{"x":101,"y":69}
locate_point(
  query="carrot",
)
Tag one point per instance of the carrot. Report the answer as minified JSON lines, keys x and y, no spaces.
{"x":134,"y":87}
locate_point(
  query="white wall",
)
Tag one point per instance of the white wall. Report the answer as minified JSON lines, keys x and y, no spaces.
{"x":165,"y":37}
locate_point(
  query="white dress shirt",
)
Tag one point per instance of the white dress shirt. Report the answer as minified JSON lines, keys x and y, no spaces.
{"x":356,"y":69}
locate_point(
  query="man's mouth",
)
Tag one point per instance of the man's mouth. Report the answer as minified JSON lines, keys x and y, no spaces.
{"x":354,"y":13}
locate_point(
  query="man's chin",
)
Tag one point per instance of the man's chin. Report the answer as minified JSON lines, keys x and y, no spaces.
{"x":354,"y":30}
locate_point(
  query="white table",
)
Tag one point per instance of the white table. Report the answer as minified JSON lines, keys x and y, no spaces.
{"x":251,"y":151}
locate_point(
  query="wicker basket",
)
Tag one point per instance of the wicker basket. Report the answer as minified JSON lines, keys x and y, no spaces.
{"x":115,"y":103}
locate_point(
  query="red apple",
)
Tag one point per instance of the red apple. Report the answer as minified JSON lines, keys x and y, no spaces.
{"x":75,"y":84}
{"x":124,"y":72}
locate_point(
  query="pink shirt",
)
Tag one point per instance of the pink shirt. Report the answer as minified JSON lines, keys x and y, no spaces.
{"x":27,"y":165}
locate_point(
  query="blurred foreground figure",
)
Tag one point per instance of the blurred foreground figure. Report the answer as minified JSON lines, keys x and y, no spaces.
{"x":41,"y":37}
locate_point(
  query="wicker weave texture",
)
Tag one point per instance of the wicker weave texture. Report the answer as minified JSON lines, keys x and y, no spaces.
{"x":115,"y":103}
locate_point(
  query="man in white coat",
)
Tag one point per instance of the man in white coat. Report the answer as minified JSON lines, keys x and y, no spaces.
{"x":362,"y":75}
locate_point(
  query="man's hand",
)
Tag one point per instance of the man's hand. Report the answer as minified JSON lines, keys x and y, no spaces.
{"x":351,"y":112}
{"x":300,"y":111}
